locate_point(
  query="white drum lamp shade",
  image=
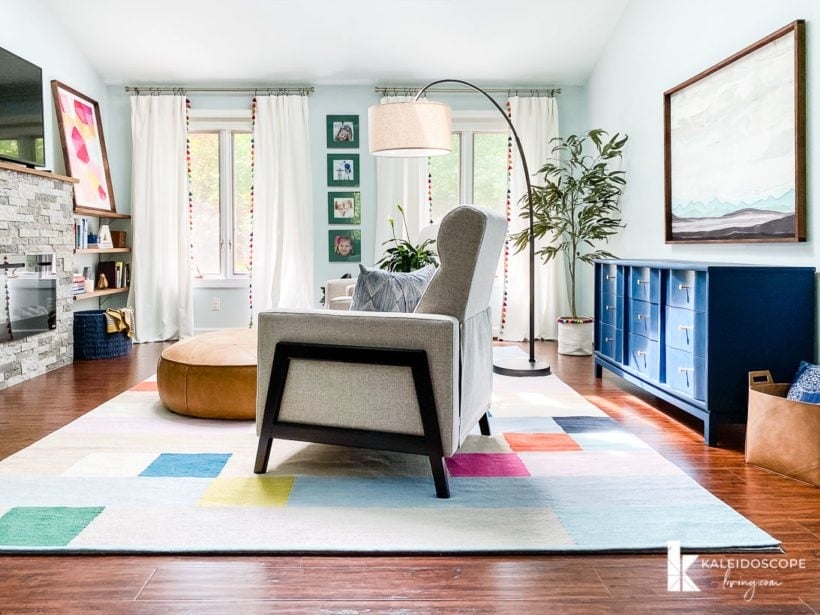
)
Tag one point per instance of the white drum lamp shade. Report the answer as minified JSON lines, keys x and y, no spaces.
{"x":409,"y":129}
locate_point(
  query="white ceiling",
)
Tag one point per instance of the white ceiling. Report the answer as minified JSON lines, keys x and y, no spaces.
{"x":394,"y":42}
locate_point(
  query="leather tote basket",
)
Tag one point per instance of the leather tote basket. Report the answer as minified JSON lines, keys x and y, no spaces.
{"x":782,"y":435}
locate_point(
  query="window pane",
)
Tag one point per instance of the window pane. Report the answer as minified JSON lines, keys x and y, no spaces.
{"x":445,"y":172}
{"x":490,"y":170}
{"x":242,"y":181}
{"x":9,"y":147}
{"x":205,"y":203}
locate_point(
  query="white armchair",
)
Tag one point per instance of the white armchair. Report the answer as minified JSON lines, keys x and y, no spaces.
{"x":416,"y":383}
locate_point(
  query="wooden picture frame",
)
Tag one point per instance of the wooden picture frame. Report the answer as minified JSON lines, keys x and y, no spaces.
{"x":735,"y":146}
{"x":83,"y":144}
{"x":343,"y":170}
{"x":344,"y":208}
{"x":344,"y":245}
{"x":343,"y":131}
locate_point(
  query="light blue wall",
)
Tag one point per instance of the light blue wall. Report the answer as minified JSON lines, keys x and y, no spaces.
{"x":657,"y":45}
{"x":26,"y":29}
{"x":326,"y":100}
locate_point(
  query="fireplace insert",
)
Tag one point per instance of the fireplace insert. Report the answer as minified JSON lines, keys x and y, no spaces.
{"x":28,"y":284}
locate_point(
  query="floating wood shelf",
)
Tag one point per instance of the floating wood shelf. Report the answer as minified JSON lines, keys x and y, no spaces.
{"x":101,"y":293}
{"x":100,"y":250}
{"x":99,"y":213}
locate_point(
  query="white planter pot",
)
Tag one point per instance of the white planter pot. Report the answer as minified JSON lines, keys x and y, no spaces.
{"x":575,"y":336}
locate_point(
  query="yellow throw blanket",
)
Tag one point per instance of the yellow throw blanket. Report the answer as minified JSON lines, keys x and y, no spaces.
{"x":120,"y":320}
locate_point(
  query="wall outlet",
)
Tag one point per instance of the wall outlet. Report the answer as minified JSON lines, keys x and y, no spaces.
{"x":216,"y":304}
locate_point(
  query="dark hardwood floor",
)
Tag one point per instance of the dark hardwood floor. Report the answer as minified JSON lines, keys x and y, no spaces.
{"x":787,"y":509}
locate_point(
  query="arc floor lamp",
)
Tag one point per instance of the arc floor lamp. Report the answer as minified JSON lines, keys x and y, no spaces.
{"x":422,"y":128}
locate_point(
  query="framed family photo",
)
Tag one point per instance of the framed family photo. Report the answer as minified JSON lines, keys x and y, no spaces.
{"x":343,"y":170}
{"x":345,"y":246}
{"x":343,"y":131}
{"x":735,"y":146}
{"x":83,"y":144}
{"x":344,"y":208}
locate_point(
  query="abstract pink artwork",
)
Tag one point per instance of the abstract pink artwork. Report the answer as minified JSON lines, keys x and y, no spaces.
{"x":83,"y":144}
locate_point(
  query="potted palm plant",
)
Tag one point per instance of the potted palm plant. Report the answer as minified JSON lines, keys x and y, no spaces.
{"x":575,"y":208}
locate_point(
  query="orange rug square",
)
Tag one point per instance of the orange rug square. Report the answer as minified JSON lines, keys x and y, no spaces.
{"x":541,"y":442}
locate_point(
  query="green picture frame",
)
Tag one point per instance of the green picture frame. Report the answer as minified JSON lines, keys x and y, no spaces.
{"x":343,"y":170}
{"x":344,"y":208}
{"x":343,"y":131}
{"x":344,"y":245}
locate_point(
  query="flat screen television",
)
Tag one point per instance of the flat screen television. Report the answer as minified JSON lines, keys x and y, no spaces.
{"x":21,"y":111}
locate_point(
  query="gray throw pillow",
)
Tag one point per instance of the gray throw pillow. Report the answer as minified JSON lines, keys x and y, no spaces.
{"x":378,"y":290}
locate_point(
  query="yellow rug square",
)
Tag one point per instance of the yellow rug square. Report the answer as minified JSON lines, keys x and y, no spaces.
{"x":248,"y":491}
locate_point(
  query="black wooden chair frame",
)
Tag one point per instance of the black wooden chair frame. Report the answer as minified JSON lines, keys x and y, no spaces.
{"x":427,"y":444}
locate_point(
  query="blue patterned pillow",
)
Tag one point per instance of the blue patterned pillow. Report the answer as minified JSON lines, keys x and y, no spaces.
{"x":806,"y":384}
{"x":378,"y":290}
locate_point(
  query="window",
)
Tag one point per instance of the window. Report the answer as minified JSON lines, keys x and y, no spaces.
{"x":220,"y":185}
{"x":475,"y":170}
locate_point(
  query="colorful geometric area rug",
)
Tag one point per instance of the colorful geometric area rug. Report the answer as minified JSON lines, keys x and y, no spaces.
{"x":558,"y":475}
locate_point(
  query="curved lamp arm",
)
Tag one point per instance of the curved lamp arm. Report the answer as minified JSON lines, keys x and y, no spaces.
{"x":529,"y":207}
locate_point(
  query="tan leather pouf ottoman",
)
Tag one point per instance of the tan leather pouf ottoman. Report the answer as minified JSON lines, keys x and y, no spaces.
{"x":211,"y":375}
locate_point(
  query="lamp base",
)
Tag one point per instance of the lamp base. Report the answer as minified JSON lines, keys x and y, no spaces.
{"x":521,"y":367}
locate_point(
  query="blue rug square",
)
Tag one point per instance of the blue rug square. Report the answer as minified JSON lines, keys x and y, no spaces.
{"x":187,"y":465}
{"x":581,"y":424}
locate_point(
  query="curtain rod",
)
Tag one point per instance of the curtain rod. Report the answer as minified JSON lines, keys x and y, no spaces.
{"x":410,"y":91}
{"x":149,"y":90}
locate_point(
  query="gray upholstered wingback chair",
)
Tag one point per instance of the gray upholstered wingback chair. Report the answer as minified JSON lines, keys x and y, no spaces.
{"x":415,"y":383}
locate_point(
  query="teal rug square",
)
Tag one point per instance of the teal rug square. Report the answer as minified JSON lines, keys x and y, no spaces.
{"x":187,"y":465}
{"x":36,"y":526}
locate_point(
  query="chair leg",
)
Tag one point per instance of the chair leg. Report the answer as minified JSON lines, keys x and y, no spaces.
{"x":484,"y":425}
{"x":263,"y":454}
{"x":440,"y":477}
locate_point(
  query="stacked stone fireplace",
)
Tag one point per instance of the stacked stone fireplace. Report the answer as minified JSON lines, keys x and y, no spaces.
{"x":36,"y":218}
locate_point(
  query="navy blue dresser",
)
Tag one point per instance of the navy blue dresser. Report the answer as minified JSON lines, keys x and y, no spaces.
{"x":690,"y":332}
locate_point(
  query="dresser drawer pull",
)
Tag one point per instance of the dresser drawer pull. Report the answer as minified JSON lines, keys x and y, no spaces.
{"x":641,"y":353}
{"x":683,"y":370}
{"x":609,"y":339}
{"x":611,"y":277}
{"x":684,"y":286}
{"x":642,"y":316}
{"x":685,"y":327}
{"x":609,"y":307}
{"x":640,"y":282}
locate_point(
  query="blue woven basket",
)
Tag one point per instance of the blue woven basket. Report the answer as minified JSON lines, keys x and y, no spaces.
{"x":92,"y":342}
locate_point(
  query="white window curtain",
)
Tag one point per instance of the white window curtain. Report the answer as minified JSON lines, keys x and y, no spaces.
{"x":401,"y":181}
{"x":536,"y":121}
{"x":160,"y":293}
{"x":282,"y":266}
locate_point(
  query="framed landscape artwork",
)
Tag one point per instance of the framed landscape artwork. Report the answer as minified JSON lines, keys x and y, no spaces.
{"x":81,"y":136}
{"x":735,"y":146}
{"x":344,"y":208}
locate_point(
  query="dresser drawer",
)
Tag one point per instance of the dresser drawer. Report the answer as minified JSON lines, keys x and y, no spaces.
{"x":645,"y":319}
{"x":686,"y":330}
{"x":645,"y":284}
{"x":687,"y":289}
{"x":686,"y":373}
{"x":612,"y":310}
{"x":612,"y":280}
{"x":611,"y":342}
{"x":644,"y":356}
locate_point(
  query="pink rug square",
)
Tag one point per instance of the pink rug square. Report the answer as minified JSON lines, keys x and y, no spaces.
{"x":486,"y":465}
